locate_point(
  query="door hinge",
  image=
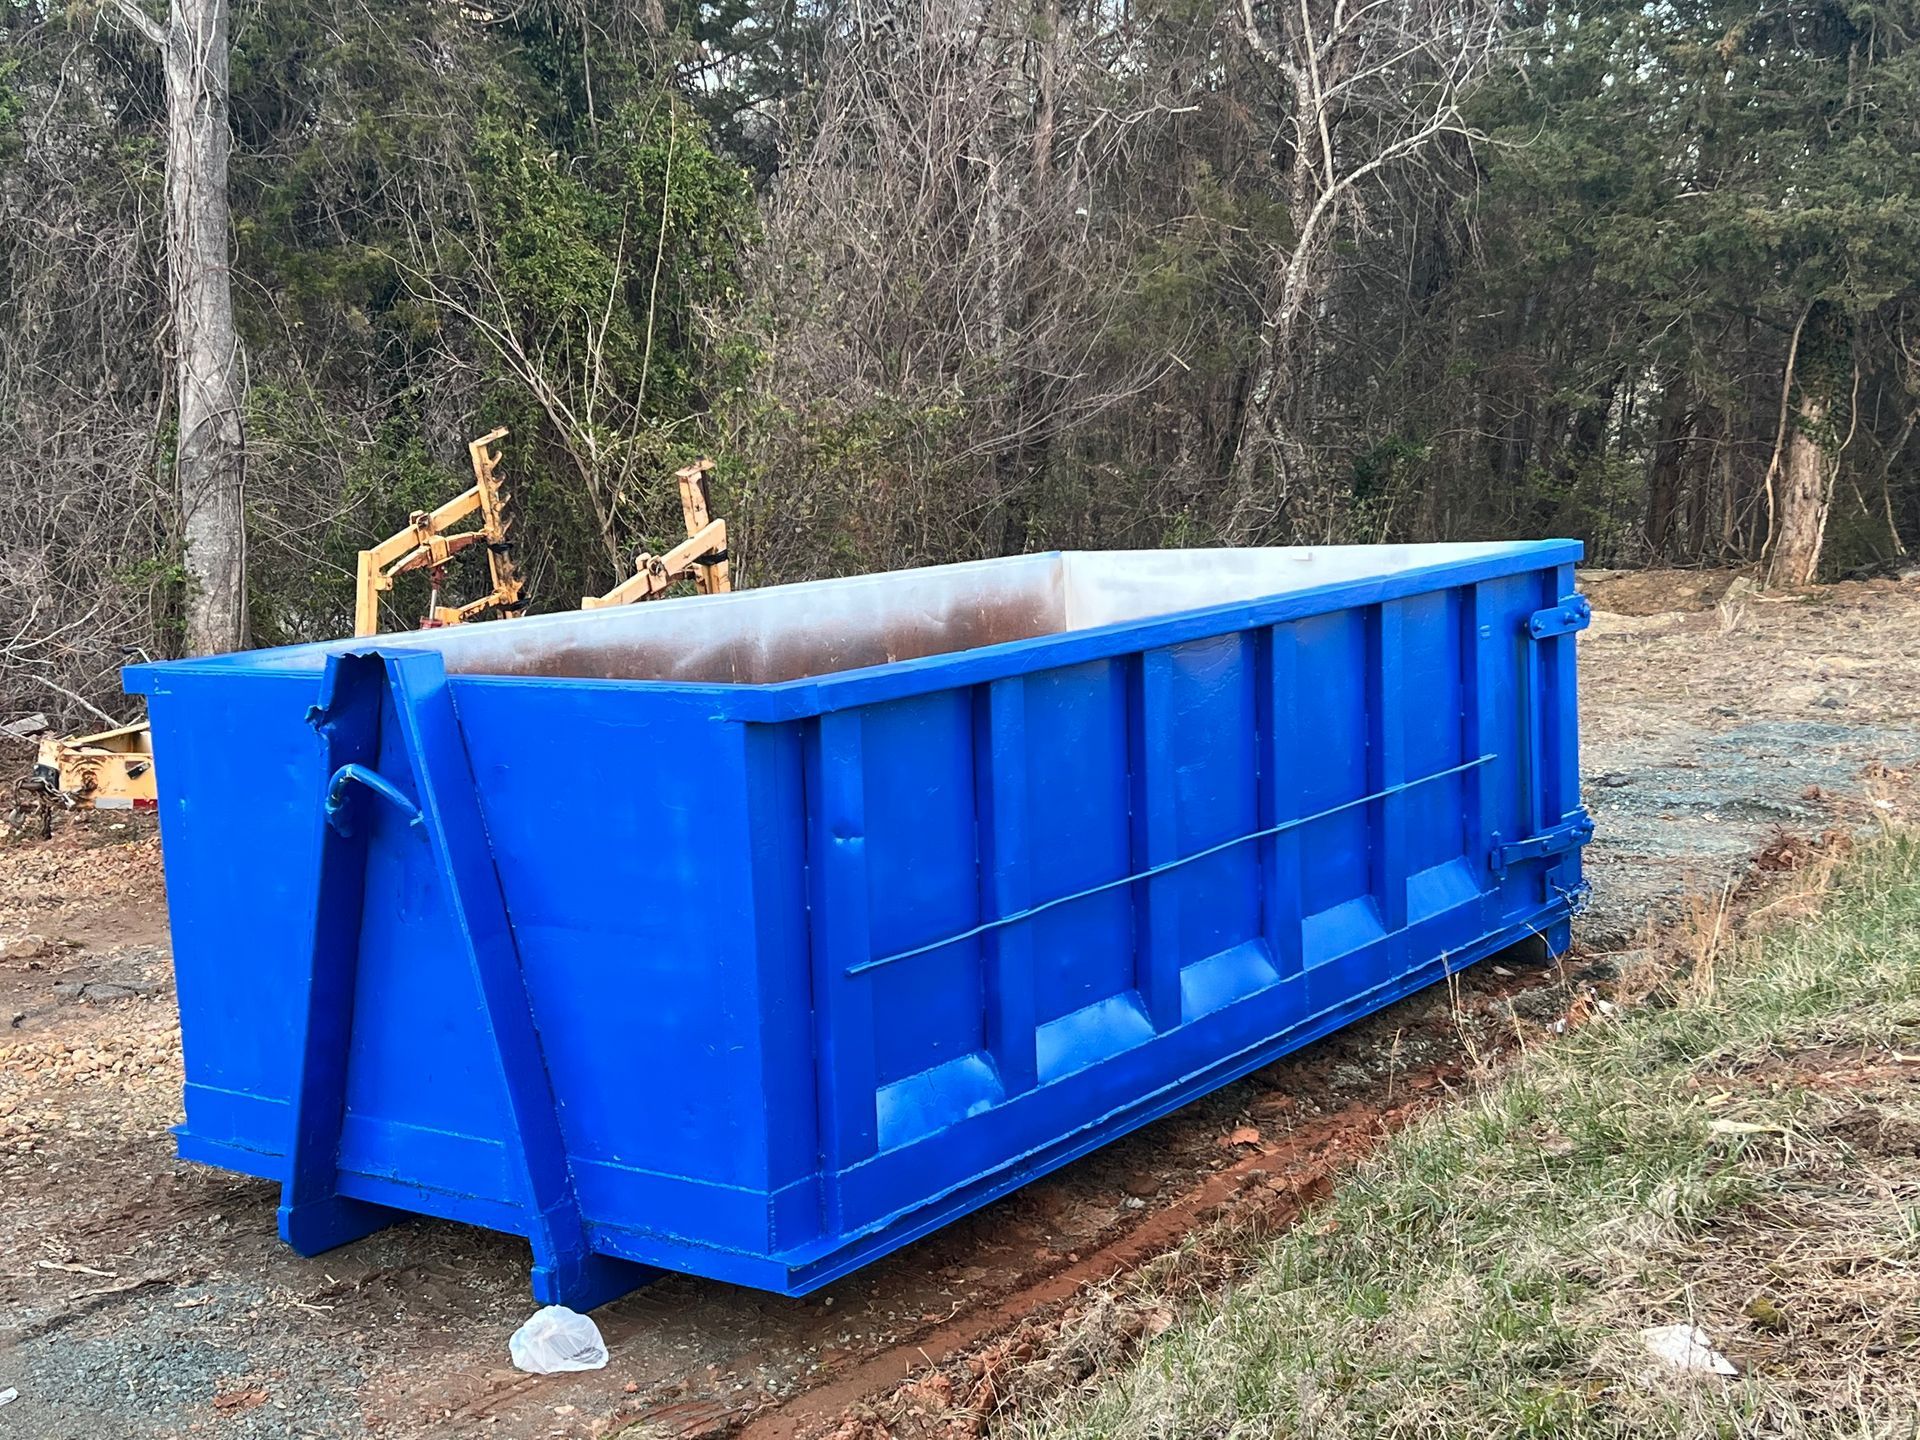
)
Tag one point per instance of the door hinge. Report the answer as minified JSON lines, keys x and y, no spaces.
{"x":1568,"y":835}
{"x":1574,"y":612}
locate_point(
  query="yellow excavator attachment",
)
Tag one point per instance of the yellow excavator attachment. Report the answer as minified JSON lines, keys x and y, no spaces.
{"x":701,"y":557}
{"x":429,"y":542}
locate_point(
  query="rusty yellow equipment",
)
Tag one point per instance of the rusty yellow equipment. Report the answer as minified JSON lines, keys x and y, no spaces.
{"x":429,"y":542}
{"x":701,"y":557}
{"x":110,"y":770}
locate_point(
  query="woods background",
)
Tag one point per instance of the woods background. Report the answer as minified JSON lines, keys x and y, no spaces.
{"x":939,"y":279}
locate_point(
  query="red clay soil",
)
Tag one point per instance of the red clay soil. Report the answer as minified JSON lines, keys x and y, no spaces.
{"x":1268,"y":1184}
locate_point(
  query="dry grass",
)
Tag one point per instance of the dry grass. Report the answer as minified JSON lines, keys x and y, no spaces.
{"x":1738,"y":1148}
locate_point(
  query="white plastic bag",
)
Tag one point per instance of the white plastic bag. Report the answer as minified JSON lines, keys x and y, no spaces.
{"x":1686,"y":1347}
{"x":557,"y":1339}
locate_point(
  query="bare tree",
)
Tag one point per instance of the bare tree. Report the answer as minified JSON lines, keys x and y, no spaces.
{"x":608,"y":455}
{"x":946,"y":272}
{"x":1368,"y":86}
{"x":210,"y":451}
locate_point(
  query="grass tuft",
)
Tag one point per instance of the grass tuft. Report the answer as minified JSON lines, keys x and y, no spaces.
{"x":1739,"y":1150}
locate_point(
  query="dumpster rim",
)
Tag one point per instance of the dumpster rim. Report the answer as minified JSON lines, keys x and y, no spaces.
{"x":812,"y":695}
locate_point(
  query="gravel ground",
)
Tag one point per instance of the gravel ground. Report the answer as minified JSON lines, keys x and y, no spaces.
{"x":1709,"y":731}
{"x":144,"y":1298}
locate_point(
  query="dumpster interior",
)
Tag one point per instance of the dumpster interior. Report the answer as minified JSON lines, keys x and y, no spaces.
{"x":820,"y":627}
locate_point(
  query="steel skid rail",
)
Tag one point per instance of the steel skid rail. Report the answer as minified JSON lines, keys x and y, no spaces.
{"x":435,"y":796}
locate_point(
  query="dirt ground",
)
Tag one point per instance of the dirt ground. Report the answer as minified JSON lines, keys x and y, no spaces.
{"x":143,"y":1297}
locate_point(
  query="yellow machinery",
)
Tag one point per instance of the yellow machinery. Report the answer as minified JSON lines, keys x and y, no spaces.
{"x":701,"y":557}
{"x":429,"y":543}
{"x":110,"y":770}
{"x":114,"y":768}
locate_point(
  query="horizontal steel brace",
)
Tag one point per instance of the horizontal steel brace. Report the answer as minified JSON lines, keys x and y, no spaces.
{"x":1174,"y":864}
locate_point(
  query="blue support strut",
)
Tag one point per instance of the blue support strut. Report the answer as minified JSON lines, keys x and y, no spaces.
{"x":410,"y":690}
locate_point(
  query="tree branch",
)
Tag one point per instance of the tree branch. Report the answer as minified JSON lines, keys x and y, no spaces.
{"x":1780,"y":433}
{"x":1316,"y":94}
{"x":1263,"y":47}
{"x":141,"y":21}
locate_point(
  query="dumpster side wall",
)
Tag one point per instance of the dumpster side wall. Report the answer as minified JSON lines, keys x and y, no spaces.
{"x":1039,"y":907}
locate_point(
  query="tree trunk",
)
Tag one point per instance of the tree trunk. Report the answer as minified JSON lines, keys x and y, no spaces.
{"x":1806,"y":494}
{"x":1267,"y":445}
{"x":210,"y":455}
{"x":1586,"y":435}
{"x":1699,"y":503}
{"x":1663,"y":478}
{"x":1268,"y":442}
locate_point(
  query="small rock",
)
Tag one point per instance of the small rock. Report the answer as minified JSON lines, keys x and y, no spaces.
{"x":1614,"y":780}
{"x":101,"y":992}
{"x":1349,"y":1077}
{"x":1542,"y":1003}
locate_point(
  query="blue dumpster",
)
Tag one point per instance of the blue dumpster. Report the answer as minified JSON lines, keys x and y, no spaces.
{"x":755,"y":935}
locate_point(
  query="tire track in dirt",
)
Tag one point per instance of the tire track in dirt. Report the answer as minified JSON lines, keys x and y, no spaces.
{"x":1267,"y":1189}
